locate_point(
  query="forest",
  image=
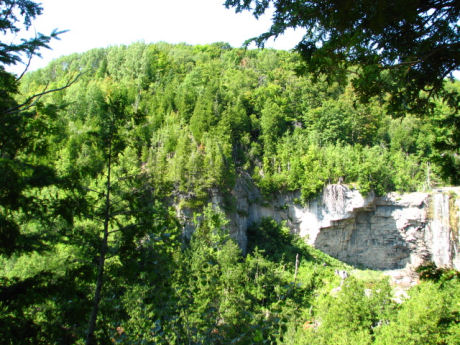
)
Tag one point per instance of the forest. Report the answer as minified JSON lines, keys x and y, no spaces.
{"x":92,"y":249}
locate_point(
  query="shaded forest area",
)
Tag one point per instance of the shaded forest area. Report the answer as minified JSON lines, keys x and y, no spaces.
{"x":93,"y":251}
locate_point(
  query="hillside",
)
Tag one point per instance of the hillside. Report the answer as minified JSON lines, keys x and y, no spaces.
{"x":199,"y":115}
{"x":98,"y":174}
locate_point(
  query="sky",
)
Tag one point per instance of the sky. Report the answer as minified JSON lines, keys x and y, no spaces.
{"x":102,"y":23}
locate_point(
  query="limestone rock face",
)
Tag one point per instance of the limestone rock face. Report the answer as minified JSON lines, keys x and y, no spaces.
{"x":385,"y":233}
{"x":391,"y":232}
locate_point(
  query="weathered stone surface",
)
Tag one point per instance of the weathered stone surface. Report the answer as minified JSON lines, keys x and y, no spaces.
{"x":391,"y":232}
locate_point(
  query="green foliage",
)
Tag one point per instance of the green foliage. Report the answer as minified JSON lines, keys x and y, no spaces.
{"x":223,"y":297}
{"x":206,"y":115}
{"x":18,"y":15}
{"x":401,"y":49}
{"x":32,"y":219}
{"x":430,"y":316}
{"x":429,"y":272}
{"x":175,"y":124}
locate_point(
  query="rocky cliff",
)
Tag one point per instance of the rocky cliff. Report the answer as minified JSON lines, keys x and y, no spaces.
{"x":391,"y":232}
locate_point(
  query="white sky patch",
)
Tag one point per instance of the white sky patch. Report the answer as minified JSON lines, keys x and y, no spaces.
{"x":102,"y":23}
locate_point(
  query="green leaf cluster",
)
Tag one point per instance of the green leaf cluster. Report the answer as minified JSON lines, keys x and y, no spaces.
{"x":202,"y":114}
{"x":88,"y":175}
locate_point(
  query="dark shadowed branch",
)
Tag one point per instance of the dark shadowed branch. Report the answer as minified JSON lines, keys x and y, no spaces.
{"x":29,"y":102}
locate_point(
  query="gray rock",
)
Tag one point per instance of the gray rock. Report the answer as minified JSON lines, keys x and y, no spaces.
{"x":397,"y":231}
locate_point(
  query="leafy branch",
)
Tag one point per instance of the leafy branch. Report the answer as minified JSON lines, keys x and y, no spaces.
{"x":36,"y":97}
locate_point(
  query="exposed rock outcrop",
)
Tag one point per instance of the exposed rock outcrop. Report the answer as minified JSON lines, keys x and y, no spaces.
{"x":391,"y":232}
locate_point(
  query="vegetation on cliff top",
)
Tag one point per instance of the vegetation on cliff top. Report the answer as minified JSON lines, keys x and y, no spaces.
{"x":201,"y":114}
{"x":91,"y":252}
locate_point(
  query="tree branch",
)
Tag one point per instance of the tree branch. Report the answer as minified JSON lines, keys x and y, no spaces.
{"x":94,"y":191}
{"x":25,"y":69}
{"x":424,"y":57}
{"x":26,"y":105}
{"x":130,"y":226}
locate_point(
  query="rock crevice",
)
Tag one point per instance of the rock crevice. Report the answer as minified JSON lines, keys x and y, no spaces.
{"x":385,"y":233}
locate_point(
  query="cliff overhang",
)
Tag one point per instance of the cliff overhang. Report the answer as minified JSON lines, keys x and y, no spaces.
{"x":396,"y":231}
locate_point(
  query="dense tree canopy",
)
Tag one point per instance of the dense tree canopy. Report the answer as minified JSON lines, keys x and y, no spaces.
{"x":92,"y":179}
{"x":22,"y":163}
{"x":150,"y":126}
{"x":396,"y":47}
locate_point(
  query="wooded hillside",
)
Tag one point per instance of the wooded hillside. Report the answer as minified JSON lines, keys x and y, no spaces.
{"x":95,"y":252}
{"x":195,"y":116}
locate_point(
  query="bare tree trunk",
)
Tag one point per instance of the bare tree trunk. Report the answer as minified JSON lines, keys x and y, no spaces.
{"x":100,"y":269}
{"x":296,"y":267}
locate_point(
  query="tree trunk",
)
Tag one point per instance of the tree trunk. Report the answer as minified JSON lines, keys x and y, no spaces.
{"x":296,"y":267}
{"x":100,"y":269}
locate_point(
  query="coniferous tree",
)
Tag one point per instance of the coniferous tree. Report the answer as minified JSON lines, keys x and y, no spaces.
{"x":405,"y":49}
